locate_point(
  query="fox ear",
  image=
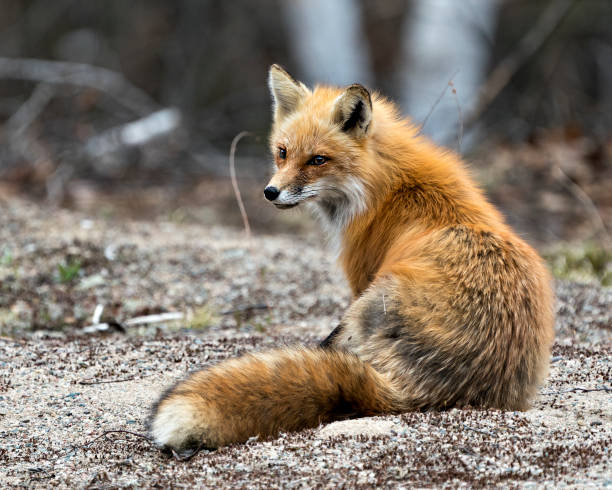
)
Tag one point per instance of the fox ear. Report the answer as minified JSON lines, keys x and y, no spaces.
{"x":353,"y":111}
{"x":287,"y":92}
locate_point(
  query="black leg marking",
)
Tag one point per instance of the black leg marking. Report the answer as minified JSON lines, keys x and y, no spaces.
{"x":327,"y":343}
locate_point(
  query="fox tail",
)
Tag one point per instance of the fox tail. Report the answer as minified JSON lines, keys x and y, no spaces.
{"x":266,"y":393}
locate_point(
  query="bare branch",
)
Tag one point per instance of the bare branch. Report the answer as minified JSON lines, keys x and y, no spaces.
{"x":245,"y":218}
{"x":548,"y":22}
{"x":459,"y":116}
{"x":134,"y":133}
{"x":18,"y":138}
{"x":56,"y":182}
{"x":108,"y":81}
{"x":435,"y":104}
{"x":30,"y":109}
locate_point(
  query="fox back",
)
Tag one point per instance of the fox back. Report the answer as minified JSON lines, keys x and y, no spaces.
{"x":451,"y":307}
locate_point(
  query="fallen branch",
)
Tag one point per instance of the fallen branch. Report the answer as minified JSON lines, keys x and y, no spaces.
{"x":245,"y":218}
{"x":139,"y":320}
{"x":102,"y":327}
{"x":102,"y":79}
{"x":134,"y":133}
{"x":158,"y":318}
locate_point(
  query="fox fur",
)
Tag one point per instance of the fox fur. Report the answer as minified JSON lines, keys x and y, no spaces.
{"x":451,"y":308}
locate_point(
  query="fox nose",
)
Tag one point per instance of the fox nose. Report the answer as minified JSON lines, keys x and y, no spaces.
{"x":271,"y":193}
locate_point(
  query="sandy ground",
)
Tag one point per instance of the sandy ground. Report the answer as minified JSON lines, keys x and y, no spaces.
{"x":60,"y":389}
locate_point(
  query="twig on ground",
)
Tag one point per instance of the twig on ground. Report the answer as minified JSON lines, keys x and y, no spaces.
{"x":87,"y":445}
{"x":547,"y":23}
{"x":182,"y":456}
{"x":435,"y":104}
{"x":578,"y":389}
{"x":242,"y":309}
{"x":245,"y":218}
{"x":116,"y":431}
{"x":131,"y":378}
{"x":87,"y":383}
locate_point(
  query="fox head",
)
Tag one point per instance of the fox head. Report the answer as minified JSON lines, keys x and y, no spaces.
{"x":317,"y":139}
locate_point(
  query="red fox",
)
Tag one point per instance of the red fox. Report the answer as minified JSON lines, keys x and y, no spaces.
{"x":451,"y":308}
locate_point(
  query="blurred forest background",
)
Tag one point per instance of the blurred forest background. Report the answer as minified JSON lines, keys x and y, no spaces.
{"x":128,"y":108}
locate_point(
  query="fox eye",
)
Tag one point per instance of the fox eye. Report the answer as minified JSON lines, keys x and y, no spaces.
{"x":282,"y":153}
{"x":317,"y":160}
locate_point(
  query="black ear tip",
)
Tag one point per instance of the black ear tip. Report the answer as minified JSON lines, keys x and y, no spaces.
{"x":359,"y":89}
